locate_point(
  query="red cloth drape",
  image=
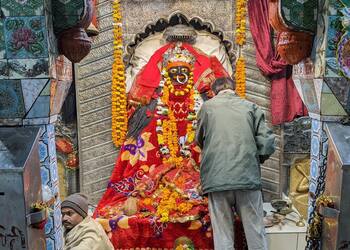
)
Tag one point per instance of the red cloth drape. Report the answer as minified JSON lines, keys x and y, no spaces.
{"x":286,"y":103}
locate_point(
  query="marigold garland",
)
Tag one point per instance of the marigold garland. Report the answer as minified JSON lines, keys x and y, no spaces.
{"x":241,"y":13}
{"x":167,"y":124}
{"x":240,"y":77}
{"x":119,"y":102}
{"x":240,"y":40}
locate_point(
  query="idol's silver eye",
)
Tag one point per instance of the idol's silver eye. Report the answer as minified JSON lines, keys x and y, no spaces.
{"x":184,"y":70}
{"x":173,"y":70}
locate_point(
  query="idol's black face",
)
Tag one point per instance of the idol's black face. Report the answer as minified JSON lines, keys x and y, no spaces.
{"x":179,"y":74}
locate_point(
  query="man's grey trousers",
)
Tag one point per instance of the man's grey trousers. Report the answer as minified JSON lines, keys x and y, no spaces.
{"x":249,"y":206}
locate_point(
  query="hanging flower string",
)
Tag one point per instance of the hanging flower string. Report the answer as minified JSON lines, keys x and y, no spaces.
{"x":240,"y":40}
{"x":119,"y":102}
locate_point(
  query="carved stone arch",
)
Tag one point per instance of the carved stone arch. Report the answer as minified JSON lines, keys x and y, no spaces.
{"x":174,"y":19}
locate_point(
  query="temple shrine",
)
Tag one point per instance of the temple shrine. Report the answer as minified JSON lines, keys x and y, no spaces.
{"x":101,"y":97}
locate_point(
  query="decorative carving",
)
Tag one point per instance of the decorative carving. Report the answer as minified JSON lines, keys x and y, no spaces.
{"x":176,"y":19}
{"x":181,"y":33}
{"x":297,"y":136}
{"x":299,"y":185}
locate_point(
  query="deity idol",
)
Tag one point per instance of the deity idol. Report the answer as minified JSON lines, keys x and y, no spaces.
{"x":153,"y":197}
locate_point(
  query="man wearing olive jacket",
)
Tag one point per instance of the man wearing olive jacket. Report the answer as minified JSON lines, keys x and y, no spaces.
{"x":234,"y":140}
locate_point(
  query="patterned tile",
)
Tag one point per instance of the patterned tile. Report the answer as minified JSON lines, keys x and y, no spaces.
{"x":31,"y":89}
{"x":341,"y":89}
{"x":49,"y":225}
{"x":11,"y":99}
{"x":35,"y":121}
{"x":314,"y":169}
{"x":46,"y":90}
{"x":334,"y":34}
{"x":53,"y":169}
{"x":315,"y":126}
{"x":41,"y":108}
{"x":315,"y":146}
{"x":66,"y":14}
{"x":45,"y":175}
{"x":57,"y":217}
{"x":2,"y":40}
{"x":25,"y":37}
{"x":28,"y":68}
{"x":309,"y":96}
{"x":22,"y":7}
{"x":330,"y":106}
{"x":312,"y":187}
{"x":43,"y":151}
{"x":4,"y":69}
{"x":301,"y":14}
{"x":59,"y":238}
{"x":332,"y":67}
{"x":50,"y":244}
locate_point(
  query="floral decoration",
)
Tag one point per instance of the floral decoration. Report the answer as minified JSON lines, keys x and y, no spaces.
{"x":167,"y":125}
{"x":240,"y":40}
{"x":240,"y":76}
{"x":119,"y":102}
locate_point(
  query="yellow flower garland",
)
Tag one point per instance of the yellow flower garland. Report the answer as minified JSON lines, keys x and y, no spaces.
{"x":241,"y":13}
{"x":119,"y":102}
{"x":240,"y":40}
{"x":169,"y":135}
{"x":240,"y":77}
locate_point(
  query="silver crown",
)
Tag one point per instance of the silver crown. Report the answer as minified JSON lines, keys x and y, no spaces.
{"x":180,"y":33}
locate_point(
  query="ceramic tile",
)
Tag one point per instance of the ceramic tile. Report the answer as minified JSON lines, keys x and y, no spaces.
{"x":22,"y":7}
{"x":45,"y":175}
{"x":59,"y":237}
{"x":31,"y":89}
{"x":46,"y":91}
{"x":334,"y":32}
{"x":43,"y":151}
{"x":341,"y":89}
{"x":331,"y":106}
{"x":315,"y":146}
{"x":301,"y":14}
{"x":36,"y":121}
{"x":314,"y":169}
{"x":67,"y":14}
{"x":11,"y":122}
{"x":11,"y":99}
{"x":40,"y":108}
{"x":4,"y":69}
{"x":28,"y":68}
{"x":309,"y":96}
{"x":49,"y":226}
{"x":25,"y":37}
{"x":332,"y":68}
{"x":2,"y":40}
{"x":57,"y":217}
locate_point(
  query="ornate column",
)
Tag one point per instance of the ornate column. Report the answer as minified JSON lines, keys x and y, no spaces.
{"x":33,"y":84}
{"x":325,"y":91}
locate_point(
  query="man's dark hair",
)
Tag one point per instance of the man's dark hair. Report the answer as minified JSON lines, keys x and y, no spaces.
{"x":223,"y":83}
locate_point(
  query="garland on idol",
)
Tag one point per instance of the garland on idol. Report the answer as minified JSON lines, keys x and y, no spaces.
{"x":171,"y":151}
